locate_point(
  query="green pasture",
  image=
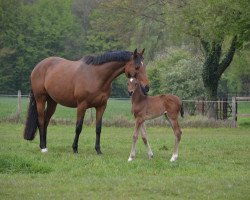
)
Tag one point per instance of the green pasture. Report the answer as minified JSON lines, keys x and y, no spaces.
{"x":118,"y":112}
{"x":212,"y":164}
{"x":116,"y":109}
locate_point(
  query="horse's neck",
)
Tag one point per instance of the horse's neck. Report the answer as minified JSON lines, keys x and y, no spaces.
{"x":138,"y":96}
{"x":109,"y":71}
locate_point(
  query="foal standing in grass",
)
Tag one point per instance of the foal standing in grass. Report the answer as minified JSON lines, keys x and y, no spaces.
{"x":149,"y":107}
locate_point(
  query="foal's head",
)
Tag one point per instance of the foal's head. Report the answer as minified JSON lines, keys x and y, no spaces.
{"x":135,"y":68}
{"x":133,"y":84}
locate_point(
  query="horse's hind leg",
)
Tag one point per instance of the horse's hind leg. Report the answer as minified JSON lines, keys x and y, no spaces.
{"x":80,"y":116}
{"x":50,"y":110}
{"x":145,"y":140}
{"x":177,"y":132}
{"x":99,"y":113}
{"x":40,"y":101}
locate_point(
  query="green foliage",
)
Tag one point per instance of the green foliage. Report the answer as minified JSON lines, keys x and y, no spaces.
{"x":32,"y":33}
{"x":237,"y":76}
{"x":212,"y":23}
{"x":119,"y":87}
{"x":36,"y":29}
{"x":176,"y":71}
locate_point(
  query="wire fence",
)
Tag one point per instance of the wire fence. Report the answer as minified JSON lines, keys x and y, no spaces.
{"x":118,"y":112}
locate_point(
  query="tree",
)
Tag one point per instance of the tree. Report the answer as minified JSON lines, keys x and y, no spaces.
{"x":32,"y":32}
{"x":221,"y":27}
{"x":10,"y":19}
{"x":236,"y":79}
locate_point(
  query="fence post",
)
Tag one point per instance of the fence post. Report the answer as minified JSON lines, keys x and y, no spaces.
{"x":224,"y":108}
{"x":234,"y":112}
{"x":19,"y":105}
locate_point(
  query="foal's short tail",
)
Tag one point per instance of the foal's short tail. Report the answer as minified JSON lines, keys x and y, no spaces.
{"x":32,"y":119}
{"x":182,"y":110}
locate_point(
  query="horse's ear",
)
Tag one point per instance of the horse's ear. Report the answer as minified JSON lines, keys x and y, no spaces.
{"x":142,"y":51}
{"x":135,"y":53}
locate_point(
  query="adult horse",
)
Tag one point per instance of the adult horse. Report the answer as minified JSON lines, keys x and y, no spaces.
{"x":82,"y":84}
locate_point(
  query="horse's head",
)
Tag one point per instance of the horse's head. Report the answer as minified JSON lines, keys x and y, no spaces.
{"x":135,"y":68}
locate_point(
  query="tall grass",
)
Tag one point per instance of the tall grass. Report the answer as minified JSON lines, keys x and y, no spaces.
{"x":213,"y":164}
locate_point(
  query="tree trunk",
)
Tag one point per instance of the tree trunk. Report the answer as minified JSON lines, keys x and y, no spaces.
{"x":211,"y":91}
{"x":213,"y":68}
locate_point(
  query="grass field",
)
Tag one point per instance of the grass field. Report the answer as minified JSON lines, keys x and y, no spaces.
{"x":213,"y":164}
{"x":118,"y":112}
{"x":116,"y":109}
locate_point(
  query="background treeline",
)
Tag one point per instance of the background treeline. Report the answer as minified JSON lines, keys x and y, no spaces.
{"x":189,"y":44}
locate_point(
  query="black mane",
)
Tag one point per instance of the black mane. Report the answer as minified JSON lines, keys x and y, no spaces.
{"x":108,"y":57}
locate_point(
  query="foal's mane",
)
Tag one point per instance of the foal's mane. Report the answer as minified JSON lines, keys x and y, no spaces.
{"x":110,"y":56}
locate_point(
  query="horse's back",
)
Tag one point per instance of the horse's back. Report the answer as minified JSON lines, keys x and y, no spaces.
{"x":54,"y":76}
{"x":41,"y":68}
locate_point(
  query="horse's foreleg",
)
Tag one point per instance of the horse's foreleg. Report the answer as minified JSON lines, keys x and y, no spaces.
{"x":41,"y":122}
{"x":177,"y":132}
{"x":145,"y":140}
{"x":80,"y":116}
{"x":99,"y":113}
{"x":135,"y":137}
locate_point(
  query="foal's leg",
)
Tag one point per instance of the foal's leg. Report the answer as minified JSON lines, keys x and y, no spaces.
{"x":99,"y":113}
{"x":177,"y":132}
{"x":80,"y":116}
{"x":40,"y":103}
{"x":135,"y":137}
{"x":145,"y":140}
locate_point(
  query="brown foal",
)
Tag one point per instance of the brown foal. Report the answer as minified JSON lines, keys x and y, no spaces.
{"x":148,"y":107}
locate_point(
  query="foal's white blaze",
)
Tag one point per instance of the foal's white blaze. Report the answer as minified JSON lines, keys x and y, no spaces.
{"x":131,"y":80}
{"x":141,"y":63}
{"x":45,"y":150}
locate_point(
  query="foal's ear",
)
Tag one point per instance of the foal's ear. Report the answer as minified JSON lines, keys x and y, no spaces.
{"x":142,"y":51}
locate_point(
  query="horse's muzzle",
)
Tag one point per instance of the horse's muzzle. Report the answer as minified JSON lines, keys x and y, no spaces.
{"x":145,"y":89}
{"x":130,"y":93}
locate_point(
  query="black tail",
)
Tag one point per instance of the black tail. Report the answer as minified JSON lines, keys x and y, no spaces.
{"x":182,"y":110}
{"x":32,"y":119}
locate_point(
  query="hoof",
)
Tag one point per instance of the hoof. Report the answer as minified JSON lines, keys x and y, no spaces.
{"x":75,"y":150}
{"x":99,"y":152}
{"x":130,"y":159}
{"x":45,"y":150}
{"x":174,"y":158}
{"x":151,"y":156}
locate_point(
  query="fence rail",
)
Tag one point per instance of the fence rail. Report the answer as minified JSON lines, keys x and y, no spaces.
{"x":14,"y":108}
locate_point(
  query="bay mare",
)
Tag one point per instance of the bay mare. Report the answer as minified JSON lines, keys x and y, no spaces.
{"x":148,"y":107}
{"x":78,"y":84}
